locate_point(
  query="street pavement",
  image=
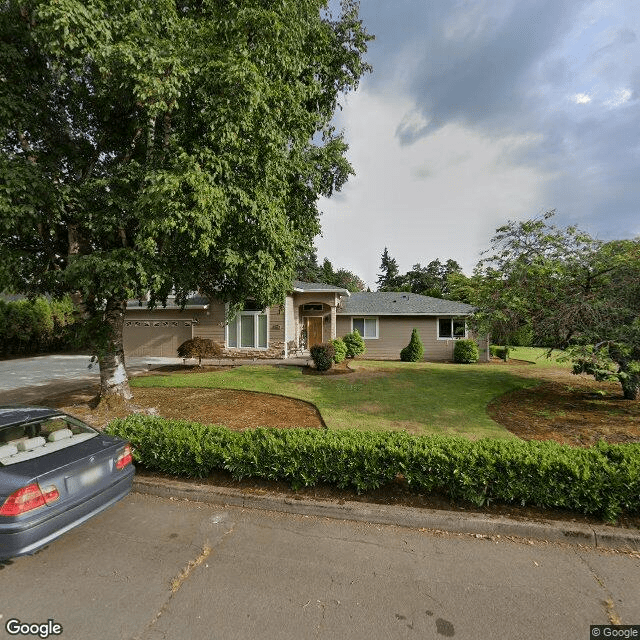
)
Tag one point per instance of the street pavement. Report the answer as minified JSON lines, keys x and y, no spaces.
{"x":153,"y":568}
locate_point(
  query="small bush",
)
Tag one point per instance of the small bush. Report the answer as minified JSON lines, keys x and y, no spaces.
{"x":323,"y":355}
{"x":465,"y":352}
{"x":499,"y":352}
{"x":414,"y":351}
{"x":354,"y":343}
{"x":200,"y":348}
{"x":340,"y":350}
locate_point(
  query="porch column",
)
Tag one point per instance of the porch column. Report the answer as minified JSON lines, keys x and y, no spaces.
{"x":333,"y":322}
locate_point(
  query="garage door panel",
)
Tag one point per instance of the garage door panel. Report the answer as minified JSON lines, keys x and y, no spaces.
{"x":150,"y":337}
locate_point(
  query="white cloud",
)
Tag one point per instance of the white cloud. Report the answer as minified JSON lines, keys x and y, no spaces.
{"x":441,"y":197}
{"x":619,"y":98}
{"x":581,"y":98}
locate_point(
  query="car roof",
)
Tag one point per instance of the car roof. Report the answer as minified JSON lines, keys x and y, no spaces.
{"x":18,"y":415}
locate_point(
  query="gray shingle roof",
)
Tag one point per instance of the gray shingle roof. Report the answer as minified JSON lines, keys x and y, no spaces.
{"x":302,"y":287}
{"x":399,"y":303}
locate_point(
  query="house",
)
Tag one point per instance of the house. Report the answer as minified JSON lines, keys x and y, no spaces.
{"x":313,"y":312}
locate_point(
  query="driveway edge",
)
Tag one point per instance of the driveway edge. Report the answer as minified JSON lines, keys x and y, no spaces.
{"x":599,"y":536}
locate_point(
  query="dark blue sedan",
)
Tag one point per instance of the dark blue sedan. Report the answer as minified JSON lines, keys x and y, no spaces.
{"x":55,"y":473}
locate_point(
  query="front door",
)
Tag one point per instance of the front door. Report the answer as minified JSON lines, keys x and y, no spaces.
{"x":314,"y":331}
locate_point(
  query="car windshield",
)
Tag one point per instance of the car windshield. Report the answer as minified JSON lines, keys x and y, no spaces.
{"x":36,"y":438}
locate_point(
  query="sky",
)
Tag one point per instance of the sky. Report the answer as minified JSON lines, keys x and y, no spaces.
{"x":478,"y":112}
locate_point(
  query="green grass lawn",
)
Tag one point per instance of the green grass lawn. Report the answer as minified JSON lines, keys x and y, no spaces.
{"x":422,"y":398}
{"x":539,"y":355}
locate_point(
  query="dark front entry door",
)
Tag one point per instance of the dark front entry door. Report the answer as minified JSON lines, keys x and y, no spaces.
{"x":314,"y":331}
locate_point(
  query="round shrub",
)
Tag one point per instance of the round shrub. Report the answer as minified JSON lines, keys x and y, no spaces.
{"x":414,"y":351}
{"x":199,"y":348}
{"x":354,"y":343}
{"x":465,"y":352}
{"x":322,"y":355}
{"x":340,"y":350}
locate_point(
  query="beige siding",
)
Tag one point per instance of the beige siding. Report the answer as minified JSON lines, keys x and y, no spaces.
{"x":211,"y":323}
{"x":394,"y":333}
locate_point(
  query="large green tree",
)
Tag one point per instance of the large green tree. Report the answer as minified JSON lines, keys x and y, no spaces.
{"x":164,"y":145}
{"x":569,"y":291}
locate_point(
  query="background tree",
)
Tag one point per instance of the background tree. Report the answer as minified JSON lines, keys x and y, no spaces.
{"x":569,"y":291}
{"x":348,"y":280}
{"x":432,"y":280}
{"x":163,"y":145}
{"x":389,"y":279}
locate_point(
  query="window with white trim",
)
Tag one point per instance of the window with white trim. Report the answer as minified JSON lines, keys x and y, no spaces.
{"x":248,"y":330}
{"x":451,"y":328}
{"x":367,"y":327}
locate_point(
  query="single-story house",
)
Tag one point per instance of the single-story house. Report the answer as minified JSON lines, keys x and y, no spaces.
{"x":313,"y":312}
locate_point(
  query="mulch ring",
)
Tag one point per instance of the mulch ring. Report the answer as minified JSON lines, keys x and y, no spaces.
{"x":577,"y":414}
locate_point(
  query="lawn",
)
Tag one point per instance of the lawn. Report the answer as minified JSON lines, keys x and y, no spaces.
{"x":422,"y":398}
{"x":540,"y":356}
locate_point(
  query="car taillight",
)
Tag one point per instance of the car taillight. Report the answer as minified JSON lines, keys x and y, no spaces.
{"x":22,"y":500}
{"x":124,"y":458}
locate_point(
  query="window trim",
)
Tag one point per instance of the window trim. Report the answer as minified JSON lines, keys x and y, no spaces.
{"x":237,"y":321}
{"x":452,"y":336}
{"x":376,"y":318}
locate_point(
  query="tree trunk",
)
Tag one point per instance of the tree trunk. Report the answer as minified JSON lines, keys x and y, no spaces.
{"x":631,"y":387}
{"x":113,"y":375}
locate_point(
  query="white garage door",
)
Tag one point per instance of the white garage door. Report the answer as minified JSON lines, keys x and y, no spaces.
{"x":150,"y":337}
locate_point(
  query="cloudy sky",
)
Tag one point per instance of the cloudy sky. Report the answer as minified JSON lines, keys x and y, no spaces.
{"x":482,"y":111}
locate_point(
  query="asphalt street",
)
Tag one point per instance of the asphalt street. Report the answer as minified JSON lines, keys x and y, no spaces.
{"x":153,"y":568}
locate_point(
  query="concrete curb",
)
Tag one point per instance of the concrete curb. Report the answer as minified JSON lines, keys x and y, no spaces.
{"x":599,"y":536}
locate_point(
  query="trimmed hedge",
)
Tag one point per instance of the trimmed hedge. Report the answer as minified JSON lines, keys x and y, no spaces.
{"x":340,"y":350}
{"x":602,"y":480}
{"x":465,"y":352}
{"x":354,"y":343}
{"x":499,"y":352}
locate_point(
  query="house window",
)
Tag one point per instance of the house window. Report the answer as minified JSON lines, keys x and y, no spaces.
{"x":366,"y":327}
{"x":451,"y":328}
{"x":248,"y":330}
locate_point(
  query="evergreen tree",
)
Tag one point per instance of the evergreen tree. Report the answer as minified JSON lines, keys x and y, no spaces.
{"x":389,"y":279}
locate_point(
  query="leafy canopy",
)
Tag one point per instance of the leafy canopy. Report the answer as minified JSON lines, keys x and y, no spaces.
{"x":158,"y":144}
{"x":570,"y":291}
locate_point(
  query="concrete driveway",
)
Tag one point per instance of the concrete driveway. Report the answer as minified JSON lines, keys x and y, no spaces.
{"x":41,"y":370}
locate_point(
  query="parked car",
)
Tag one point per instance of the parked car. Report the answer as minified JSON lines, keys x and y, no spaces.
{"x":55,"y":473}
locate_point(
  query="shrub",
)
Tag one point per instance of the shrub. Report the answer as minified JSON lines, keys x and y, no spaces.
{"x":602,"y":480}
{"x":199,"y":348}
{"x":465,"y":352}
{"x":354,"y":343}
{"x":414,"y":351}
{"x":340,"y":350}
{"x":32,"y":326}
{"x":323,"y":355}
{"x":499,"y":352}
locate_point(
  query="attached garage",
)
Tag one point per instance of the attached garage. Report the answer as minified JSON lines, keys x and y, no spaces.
{"x":154,"y":337}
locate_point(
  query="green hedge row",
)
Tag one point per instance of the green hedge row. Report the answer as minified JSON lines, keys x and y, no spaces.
{"x":602,"y":480}
{"x":33,"y":326}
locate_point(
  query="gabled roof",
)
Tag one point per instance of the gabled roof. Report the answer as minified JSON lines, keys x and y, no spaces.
{"x":306,"y":287}
{"x":387,"y":303}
